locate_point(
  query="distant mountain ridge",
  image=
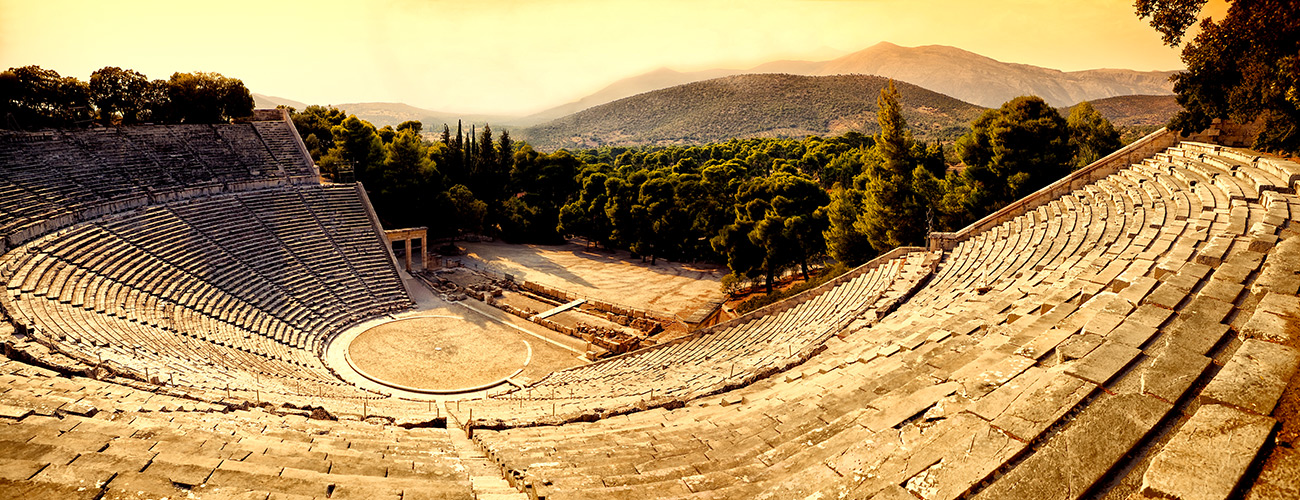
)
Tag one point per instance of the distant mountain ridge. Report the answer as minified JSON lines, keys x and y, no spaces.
{"x":959,"y":73}
{"x":757,"y":105}
{"x":382,"y":114}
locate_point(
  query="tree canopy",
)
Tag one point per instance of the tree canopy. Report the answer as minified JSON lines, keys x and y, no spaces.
{"x":764,"y":207}
{"x":1243,"y":67}
{"x":34,"y":97}
{"x":1091,"y":135}
{"x":1013,"y":151}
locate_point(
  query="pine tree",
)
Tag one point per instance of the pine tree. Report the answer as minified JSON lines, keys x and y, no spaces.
{"x":844,"y":243}
{"x":487,"y":152}
{"x":891,"y":215}
{"x":506,"y":150}
{"x":1091,"y":135}
{"x":458,"y":148}
{"x":894,"y":142}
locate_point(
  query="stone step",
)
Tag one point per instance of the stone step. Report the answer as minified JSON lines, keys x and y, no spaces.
{"x":1072,"y":461}
{"x":1209,"y":455}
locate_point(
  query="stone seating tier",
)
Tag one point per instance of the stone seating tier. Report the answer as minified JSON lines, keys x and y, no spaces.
{"x":1100,"y":314}
{"x":1131,"y":338}
{"x":226,"y":292}
{"x":83,"y":438}
{"x":53,"y":179}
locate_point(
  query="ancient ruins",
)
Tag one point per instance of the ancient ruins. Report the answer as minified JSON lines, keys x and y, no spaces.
{"x":170,"y":292}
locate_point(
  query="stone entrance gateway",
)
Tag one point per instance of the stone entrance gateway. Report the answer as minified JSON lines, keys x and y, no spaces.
{"x":406,"y":235}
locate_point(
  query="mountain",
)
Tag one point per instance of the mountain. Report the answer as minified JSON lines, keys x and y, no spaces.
{"x":767,"y":105}
{"x":392,"y":113}
{"x":985,"y":81}
{"x":962,"y":74}
{"x":654,"y":80}
{"x":261,"y":101}
{"x":1135,"y":110}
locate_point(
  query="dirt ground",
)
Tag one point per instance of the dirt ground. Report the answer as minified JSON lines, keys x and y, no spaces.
{"x":683,"y":290}
{"x":440,"y":353}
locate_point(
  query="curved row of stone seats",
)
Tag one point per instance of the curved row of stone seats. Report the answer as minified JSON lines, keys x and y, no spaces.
{"x":725,"y":356}
{"x":52,"y":179}
{"x":73,"y":437}
{"x":286,"y":148}
{"x":1047,"y":358}
{"x":237,"y":290}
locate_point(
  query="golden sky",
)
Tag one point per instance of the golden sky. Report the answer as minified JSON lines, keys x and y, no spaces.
{"x":519,"y":56}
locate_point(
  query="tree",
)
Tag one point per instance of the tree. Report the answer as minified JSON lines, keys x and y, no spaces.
{"x":407,"y":183}
{"x":505,"y":151}
{"x":207,"y":98}
{"x":844,"y":243}
{"x":1013,"y":151}
{"x":653,"y":209}
{"x":124,"y":95}
{"x":470,"y":211}
{"x":1244,"y":67}
{"x":892,"y":215}
{"x":781,"y":221}
{"x":32,"y":96}
{"x":585,"y":216}
{"x":315,"y":124}
{"x":1091,"y":135}
{"x":356,"y":143}
{"x":412,"y":125}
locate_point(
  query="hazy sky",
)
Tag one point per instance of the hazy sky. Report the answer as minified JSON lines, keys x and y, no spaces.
{"x":517,"y":56}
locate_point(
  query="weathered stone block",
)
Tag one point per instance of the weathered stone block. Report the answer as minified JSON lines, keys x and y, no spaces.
{"x":1208,"y":456}
{"x":1280,"y":304}
{"x":890,"y":411}
{"x":1132,"y":333}
{"x":1151,"y":315}
{"x":1104,"y":362}
{"x":1172,"y":371}
{"x":1081,"y":454}
{"x":1077,"y":347}
{"x":1222,"y":290}
{"x":1254,"y":377}
{"x":1265,"y":325}
{"x":1198,"y":338}
{"x":1044,"y":402}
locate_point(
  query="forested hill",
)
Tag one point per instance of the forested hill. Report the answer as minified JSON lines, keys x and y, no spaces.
{"x":761,"y":105}
{"x":1136,"y":110}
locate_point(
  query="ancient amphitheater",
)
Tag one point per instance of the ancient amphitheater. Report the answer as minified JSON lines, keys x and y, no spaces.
{"x":171,"y":292}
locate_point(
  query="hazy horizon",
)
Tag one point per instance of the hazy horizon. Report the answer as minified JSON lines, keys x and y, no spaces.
{"x":517,"y":57}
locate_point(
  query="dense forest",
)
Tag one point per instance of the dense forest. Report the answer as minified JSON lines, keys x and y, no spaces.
{"x":761,"y":206}
{"x":32,"y":97}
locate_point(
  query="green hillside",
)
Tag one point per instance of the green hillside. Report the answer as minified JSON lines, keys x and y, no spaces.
{"x":1137,"y":110}
{"x":764,"y":105}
